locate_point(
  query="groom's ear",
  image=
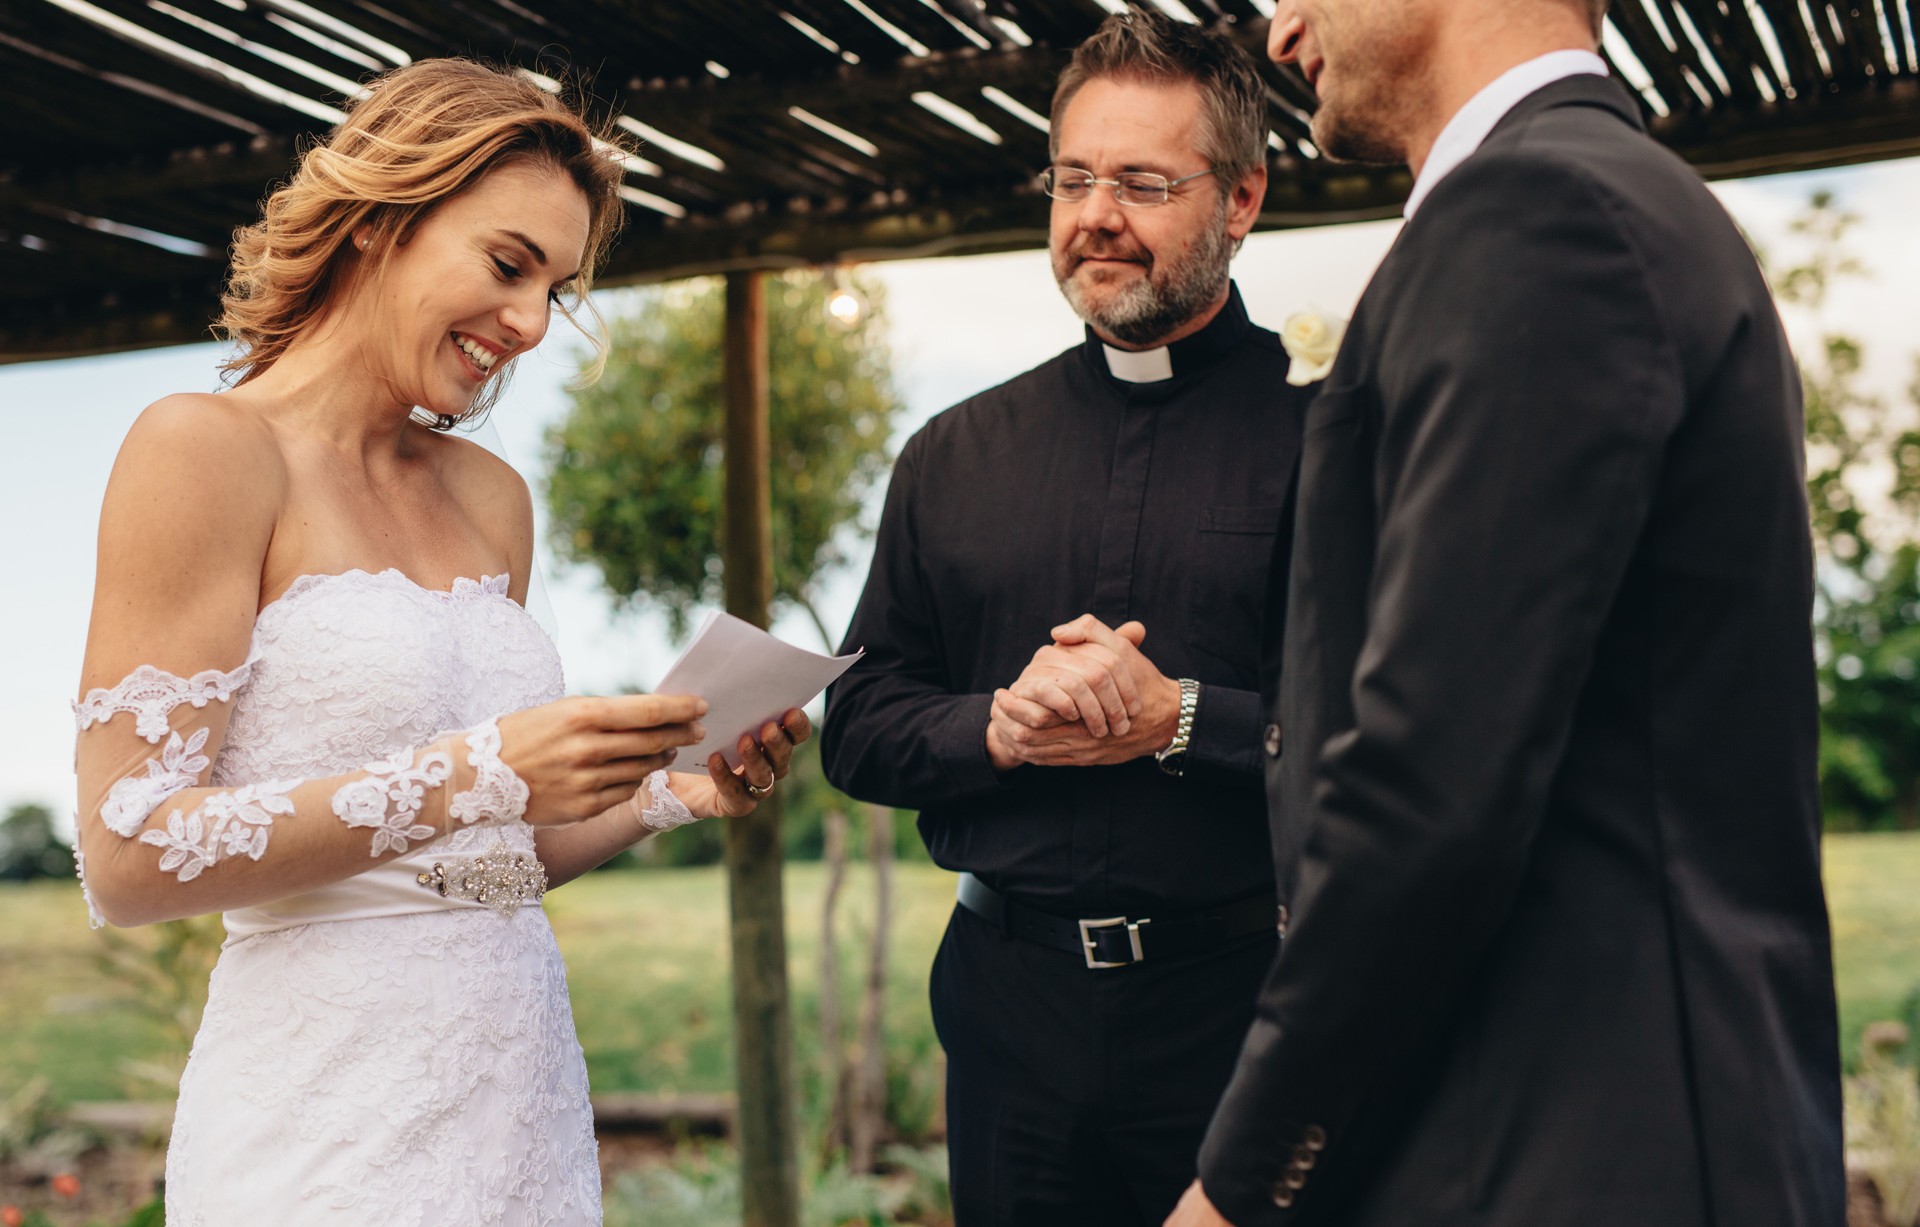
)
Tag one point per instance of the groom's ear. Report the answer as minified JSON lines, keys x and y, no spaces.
{"x":1244,"y":200}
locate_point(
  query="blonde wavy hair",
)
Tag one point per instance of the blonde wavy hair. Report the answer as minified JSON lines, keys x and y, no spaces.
{"x":421,"y":135}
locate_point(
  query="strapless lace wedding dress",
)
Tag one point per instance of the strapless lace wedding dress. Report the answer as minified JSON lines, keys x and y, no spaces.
{"x":374,"y":1053}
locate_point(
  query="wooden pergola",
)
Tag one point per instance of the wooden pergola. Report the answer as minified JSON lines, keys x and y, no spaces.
{"x":137,"y":134}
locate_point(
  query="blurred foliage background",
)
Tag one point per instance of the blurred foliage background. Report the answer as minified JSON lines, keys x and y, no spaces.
{"x":1863,"y":488}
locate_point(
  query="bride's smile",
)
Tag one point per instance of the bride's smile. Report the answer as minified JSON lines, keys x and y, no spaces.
{"x":442,"y":310}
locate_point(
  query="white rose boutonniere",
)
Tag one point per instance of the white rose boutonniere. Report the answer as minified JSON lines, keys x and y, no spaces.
{"x":1312,"y":340}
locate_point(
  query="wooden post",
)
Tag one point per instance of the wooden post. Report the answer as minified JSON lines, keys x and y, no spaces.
{"x":833,"y":1053}
{"x":869,"y":1110}
{"x":763,"y":1045}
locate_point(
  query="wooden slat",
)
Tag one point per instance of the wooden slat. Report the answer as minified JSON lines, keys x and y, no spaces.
{"x":78,"y":139}
{"x":1809,"y":134}
{"x":1685,"y":55}
{"x":379,"y":20}
{"x":1644,"y":39}
{"x":1721,"y":36}
{"x":1849,"y":65}
{"x":921,"y":23}
{"x":852,"y":32}
{"x":252,"y":23}
{"x":60,"y":42}
{"x":178,"y":32}
{"x":1804,"y":73}
{"x":892,"y":83}
{"x":1863,"y":36}
{"x":1745,"y":50}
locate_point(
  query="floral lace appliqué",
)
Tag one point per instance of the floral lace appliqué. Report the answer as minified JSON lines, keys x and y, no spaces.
{"x":151,"y":694}
{"x":390,"y":796}
{"x":131,"y":801}
{"x":665,"y":811}
{"x":94,"y":919}
{"x":497,"y":795}
{"x":226,"y":824}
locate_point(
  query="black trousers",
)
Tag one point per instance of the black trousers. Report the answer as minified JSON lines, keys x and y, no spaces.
{"x":1079,"y":1097}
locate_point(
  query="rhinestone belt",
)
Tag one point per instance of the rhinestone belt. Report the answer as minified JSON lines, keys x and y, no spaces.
{"x":500,"y":880}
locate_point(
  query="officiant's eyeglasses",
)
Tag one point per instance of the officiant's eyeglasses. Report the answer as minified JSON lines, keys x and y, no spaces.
{"x":1139,"y":188}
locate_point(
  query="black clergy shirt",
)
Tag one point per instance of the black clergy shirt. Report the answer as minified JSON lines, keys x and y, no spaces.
{"x":1067,"y":491}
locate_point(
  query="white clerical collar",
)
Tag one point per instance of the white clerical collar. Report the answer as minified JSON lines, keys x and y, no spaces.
{"x":1139,"y":366}
{"x":1472,"y":123}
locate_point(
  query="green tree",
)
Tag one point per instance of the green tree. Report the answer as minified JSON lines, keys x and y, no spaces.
{"x":28,"y":848}
{"x":634,"y":485}
{"x":635,"y":488}
{"x":1863,"y":489}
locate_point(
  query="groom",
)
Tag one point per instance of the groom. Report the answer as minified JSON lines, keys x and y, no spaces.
{"x":1546,"y":816}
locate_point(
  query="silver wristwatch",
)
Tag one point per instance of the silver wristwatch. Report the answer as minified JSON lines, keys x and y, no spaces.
{"x":1173,"y":759}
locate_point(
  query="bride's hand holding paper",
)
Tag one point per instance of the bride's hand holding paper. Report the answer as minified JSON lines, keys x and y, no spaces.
{"x":750,"y":681}
{"x":729,"y":792}
{"x":754,"y":686}
{"x":585,"y":754}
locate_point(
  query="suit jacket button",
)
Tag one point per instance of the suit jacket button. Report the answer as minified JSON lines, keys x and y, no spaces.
{"x":1273,"y":740}
{"x":1315,"y":1138}
{"x":1304,"y":1158}
{"x":1295,"y":1179}
{"x":1282,"y":1196}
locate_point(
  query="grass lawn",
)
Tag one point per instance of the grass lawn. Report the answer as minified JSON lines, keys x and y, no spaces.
{"x":1873,"y":891}
{"x":646,"y":957}
{"x":647,"y":961}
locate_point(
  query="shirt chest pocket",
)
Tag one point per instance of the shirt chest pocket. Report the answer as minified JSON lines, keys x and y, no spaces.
{"x":1227,"y":582}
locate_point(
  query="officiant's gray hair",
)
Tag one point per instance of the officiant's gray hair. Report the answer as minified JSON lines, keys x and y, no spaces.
{"x":1144,"y":45}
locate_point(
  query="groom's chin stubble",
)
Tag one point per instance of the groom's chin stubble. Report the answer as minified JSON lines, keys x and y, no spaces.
{"x":1354,"y":148}
{"x":1354,"y":140}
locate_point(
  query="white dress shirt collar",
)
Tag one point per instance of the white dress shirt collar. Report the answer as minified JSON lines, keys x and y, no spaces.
{"x":1472,"y":123}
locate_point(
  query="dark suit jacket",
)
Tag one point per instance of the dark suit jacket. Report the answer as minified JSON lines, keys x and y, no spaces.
{"x":1546,"y":815}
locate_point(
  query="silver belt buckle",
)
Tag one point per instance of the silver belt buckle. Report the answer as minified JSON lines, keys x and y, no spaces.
{"x":1088,"y":927}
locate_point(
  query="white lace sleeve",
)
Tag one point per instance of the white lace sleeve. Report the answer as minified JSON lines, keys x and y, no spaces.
{"x":497,"y":795}
{"x":655,"y":806}
{"x":150,"y":696}
{"x":157,"y":799}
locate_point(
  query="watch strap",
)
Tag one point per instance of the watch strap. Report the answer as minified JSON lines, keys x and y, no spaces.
{"x":1173,"y":759}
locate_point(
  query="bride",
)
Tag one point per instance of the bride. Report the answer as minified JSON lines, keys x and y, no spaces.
{"x":312,"y":700}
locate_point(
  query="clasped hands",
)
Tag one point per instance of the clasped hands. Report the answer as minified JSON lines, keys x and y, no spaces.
{"x":1090,"y":698}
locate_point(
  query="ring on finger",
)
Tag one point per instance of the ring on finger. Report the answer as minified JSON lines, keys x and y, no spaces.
{"x":754,"y":790}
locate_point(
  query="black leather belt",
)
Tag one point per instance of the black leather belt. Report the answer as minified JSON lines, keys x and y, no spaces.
{"x":1119,"y":941}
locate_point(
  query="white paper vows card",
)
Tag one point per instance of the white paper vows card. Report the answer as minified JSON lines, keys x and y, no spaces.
{"x":747,"y":678}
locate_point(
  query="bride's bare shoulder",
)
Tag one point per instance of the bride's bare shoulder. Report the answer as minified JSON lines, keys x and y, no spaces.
{"x":198,"y":476}
{"x":201,"y":431}
{"x":491,"y":491}
{"x":496,"y":498}
{"x":184,"y":528}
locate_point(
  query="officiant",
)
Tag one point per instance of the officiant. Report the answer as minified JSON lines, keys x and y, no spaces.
{"x":1062,"y":626}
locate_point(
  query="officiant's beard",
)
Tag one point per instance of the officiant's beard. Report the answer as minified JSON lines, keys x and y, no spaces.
{"x":1152,"y":306}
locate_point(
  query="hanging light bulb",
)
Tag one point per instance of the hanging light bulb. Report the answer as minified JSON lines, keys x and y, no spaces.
{"x":846,"y":306}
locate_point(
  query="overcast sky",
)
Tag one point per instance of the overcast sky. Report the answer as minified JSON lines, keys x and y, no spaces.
{"x":958,"y":325}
